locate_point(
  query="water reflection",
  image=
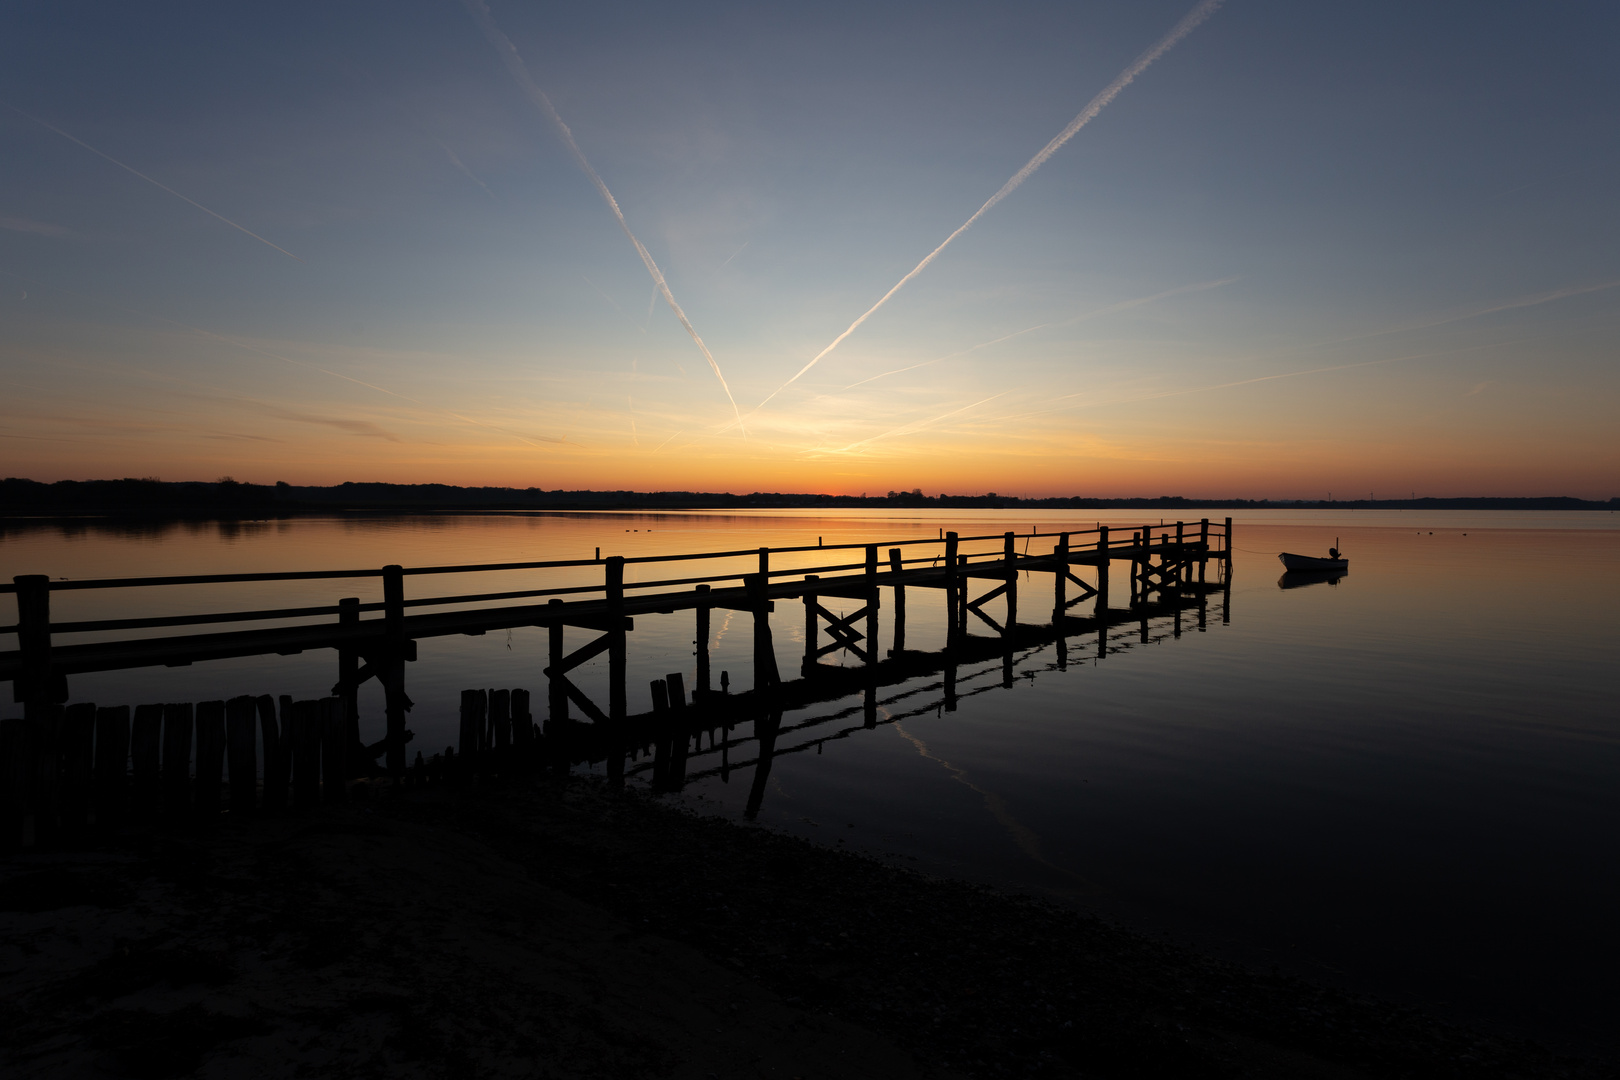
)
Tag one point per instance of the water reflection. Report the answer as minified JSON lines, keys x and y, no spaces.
{"x":1298,"y":579}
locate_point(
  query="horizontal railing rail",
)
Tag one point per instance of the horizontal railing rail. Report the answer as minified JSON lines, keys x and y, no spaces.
{"x":879,"y":568}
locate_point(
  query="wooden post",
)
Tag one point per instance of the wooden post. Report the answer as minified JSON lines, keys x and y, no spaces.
{"x":871,"y":610}
{"x":1009,"y":555}
{"x":522,"y":730}
{"x":618,"y":708}
{"x":394,"y":683}
{"x":961,"y":595}
{"x":334,"y":731}
{"x":45,"y":784}
{"x":812,"y":627}
{"x":1136,"y":567}
{"x":473,"y":705}
{"x":35,"y":686}
{"x":1203,"y":543}
{"x":701,"y":688}
{"x":210,"y":757}
{"x":896,"y":567}
{"x":276,"y":760}
{"x":1060,"y":577}
{"x":112,"y":763}
{"x":16,"y":762}
{"x":680,"y":733}
{"x":177,"y":758}
{"x":661,"y":732}
{"x":240,"y":755}
{"x":348,"y":669}
{"x":556,"y":696}
{"x":306,"y":754}
{"x":1227,"y":544}
{"x":953,"y":627}
{"x":145,"y":739}
{"x":1100,"y":610}
{"x":78,"y":747}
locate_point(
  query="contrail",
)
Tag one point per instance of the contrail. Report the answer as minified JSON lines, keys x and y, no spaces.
{"x":468,"y":173}
{"x":520,"y":72}
{"x":149,"y":180}
{"x":1186,"y":26}
{"x":734,"y":254}
{"x":1123,"y":305}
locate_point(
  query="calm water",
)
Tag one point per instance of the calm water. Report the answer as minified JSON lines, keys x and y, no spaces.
{"x":1407,"y":781}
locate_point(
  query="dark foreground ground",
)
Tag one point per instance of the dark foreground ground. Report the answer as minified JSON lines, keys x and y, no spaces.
{"x":560,"y":930}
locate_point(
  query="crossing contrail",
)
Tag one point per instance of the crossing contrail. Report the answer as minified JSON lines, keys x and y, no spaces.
{"x":1186,"y":26}
{"x":149,"y":180}
{"x":520,"y":73}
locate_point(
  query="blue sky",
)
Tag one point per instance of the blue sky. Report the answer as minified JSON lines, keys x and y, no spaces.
{"x":1418,"y":197}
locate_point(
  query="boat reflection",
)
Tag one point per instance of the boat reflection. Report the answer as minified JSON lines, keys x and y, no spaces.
{"x":1298,"y":579}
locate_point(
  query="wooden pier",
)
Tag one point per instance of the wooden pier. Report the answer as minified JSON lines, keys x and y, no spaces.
{"x":1168,"y":575}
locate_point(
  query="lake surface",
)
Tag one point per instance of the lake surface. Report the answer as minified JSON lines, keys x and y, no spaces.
{"x":1407,"y":781}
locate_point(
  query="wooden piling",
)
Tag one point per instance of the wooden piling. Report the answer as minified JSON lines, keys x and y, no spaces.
{"x":348,"y":676}
{"x":556,"y":695}
{"x":680,"y":732}
{"x":210,"y":758}
{"x":16,"y":767}
{"x":873,"y":595}
{"x":277,"y":761}
{"x":473,"y":706}
{"x":177,"y":724}
{"x":618,"y":707}
{"x":393,"y":577}
{"x":146,"y":735}
{"x":500,"y":725}
{"x":1009,"y":555}
{"x":812,"y":627}
{"x":241,"y":757}
{"x":896,"y":566}
{"x":44,"y":785}
{"x":701,"y":688}
{"x":112,"y":764}
{"x":334,"y":734}
{"x":953,"y":621}
{"x":78,"y":748}
{"x":306,"y":754}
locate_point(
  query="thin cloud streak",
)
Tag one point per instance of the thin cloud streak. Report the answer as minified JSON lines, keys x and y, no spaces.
{"x":149,"y":180}
{"x":1264,"y":378}
{"x":1187,"y":25}
{"x":520,"y":73}
{"x":1123,"y":305}
{"x":734,"y":254}
{"x":532,"y":440}
{"x":914,"y":427}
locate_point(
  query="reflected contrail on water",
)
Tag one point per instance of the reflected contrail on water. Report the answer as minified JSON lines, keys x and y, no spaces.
{"x":520,"y":73}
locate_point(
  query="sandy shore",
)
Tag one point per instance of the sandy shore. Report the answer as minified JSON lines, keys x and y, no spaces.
{"x":561,"y":930}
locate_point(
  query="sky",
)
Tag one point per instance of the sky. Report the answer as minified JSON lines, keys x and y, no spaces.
{"x":1306,"y":249}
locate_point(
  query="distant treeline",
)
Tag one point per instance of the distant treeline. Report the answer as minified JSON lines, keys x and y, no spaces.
{"x":231,"y":498}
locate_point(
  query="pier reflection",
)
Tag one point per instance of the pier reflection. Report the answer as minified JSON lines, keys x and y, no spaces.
{"x":719,"y":733}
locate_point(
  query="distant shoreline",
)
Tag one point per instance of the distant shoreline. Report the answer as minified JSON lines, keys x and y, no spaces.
{"x":231,"y":499}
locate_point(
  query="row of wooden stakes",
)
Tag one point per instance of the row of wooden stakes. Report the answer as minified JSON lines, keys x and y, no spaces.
{"x":80,"y":766}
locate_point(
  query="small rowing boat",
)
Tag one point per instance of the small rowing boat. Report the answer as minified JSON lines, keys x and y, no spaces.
{"x":1334,"y":561}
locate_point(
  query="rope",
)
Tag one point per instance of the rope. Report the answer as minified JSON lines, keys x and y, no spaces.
{"x":1251,"y":551}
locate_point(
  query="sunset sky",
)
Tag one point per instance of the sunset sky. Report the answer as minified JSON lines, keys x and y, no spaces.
{"x":1309,"y":248}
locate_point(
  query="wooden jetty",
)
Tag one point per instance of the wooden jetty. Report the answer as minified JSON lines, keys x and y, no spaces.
{"x":51,"y":747}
